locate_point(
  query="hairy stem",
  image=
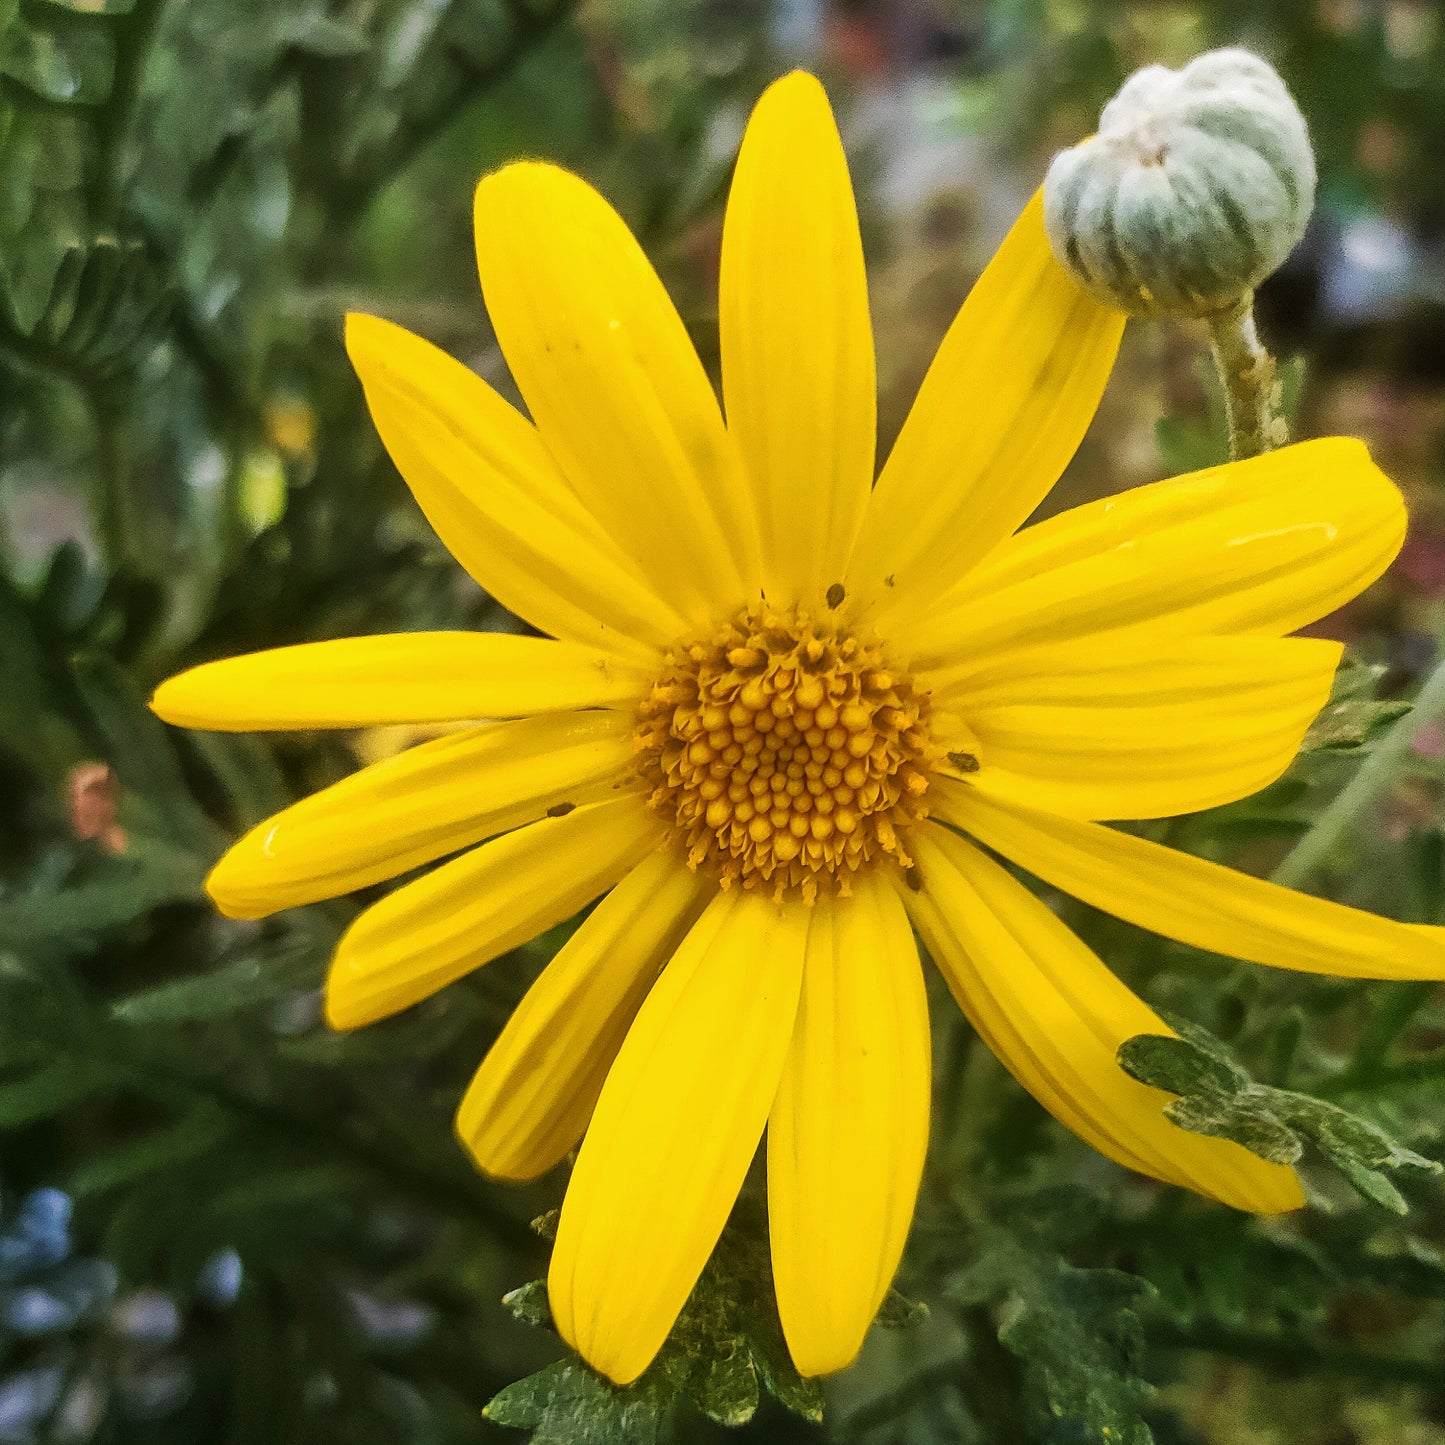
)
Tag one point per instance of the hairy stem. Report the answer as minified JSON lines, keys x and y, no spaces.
{"x":1250,"y":379}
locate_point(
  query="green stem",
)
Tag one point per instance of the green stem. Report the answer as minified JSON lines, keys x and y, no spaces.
{"x":1250,"y":379}
{"x":1366,"y":786}
{"x":348,"y":196}
{"x":1289,"y":1355}
{"x":111,"y":509}
{"x":115,"y":118}
{"x":1405,"y":1074}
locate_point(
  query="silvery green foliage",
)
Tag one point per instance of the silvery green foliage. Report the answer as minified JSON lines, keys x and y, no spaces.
{"x":724,"y":1356}
{"x":1219,"y":1099}
{"x":1199,"y":182}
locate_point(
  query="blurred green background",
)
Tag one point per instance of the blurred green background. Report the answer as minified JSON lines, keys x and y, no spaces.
{"x":220,"y":1223}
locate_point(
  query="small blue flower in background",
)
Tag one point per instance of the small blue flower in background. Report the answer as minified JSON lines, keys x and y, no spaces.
{"x":38,"y":1235}
{"x":26,"y":1398}
{"x":57,"y":1309}
{"x":45,"y":1291}
{"x":219,"y":1281}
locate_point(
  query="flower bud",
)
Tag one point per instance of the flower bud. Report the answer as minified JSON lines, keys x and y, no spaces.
{"x":1198,"y":184}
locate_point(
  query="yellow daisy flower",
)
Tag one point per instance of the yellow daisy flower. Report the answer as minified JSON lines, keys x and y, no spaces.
{"x":780,"y":715}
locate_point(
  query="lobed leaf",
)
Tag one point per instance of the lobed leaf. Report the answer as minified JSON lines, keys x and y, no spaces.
{"x":725,"y":1350}
{"x":1076,"y":1333}
{"x":1217,"y":1098}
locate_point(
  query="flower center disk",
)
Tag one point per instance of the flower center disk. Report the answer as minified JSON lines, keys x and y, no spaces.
{"x":785,"y":754}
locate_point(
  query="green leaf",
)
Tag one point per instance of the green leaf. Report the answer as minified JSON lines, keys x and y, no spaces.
{"x":529,"y":1304}
{"x":51,"y":1090}
{"x":725,"y":1349}
{"x":260,"y":975}
{"x":1351,"y":725}
{"x":59,"y":61}
{"x":1076,"y":1333}
{"x":898,"y":1312}
{"x":1354,"y":716}
{"x":1234,"y":1268}
{"x":246,"y":768}
{"x":203,"y":1129}
{"x":105,"y":305}
{"x":728,"y":1338}
{"x":1218,"y":1099}
{"x":319,"y":34}
{"x":30,"y":722}
{"x":1184,"y":1067}
{"x":64,"y":66}
{"x":1248,"y":1121}
{"x":122,"y":889}
{"x":1371,"y":1183}
{"x":139,"y":748}
{"x":568,"y":1404}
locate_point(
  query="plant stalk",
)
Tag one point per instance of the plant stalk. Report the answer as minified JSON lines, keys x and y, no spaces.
{"x":1247,"y":371}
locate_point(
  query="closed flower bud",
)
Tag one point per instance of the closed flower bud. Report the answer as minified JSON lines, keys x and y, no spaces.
{"x":1198,"y":184}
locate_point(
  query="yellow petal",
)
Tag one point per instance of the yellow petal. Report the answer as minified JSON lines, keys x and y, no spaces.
{"x":420,"y":805}
{"x":1195,"y":901}
{"x":490,"y":488}
{"x":402,"y":677}
{"x":1055,"y":1016}
{"x":536,"y":1089}
{"x":797,"y":346}
{"x":1264,"y":545}
{"x":674,"y":1132}
{"x":614,"y":385}
{"x":849,"y":1129}
{"x":467,"y":912}
{"x":1139,"y":728}
{"x":1002,"y":409}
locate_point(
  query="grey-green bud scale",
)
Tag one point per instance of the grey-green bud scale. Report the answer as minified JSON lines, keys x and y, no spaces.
{"x":1198,"y":184}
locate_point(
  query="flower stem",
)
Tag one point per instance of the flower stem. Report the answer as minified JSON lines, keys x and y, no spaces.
{"x":1367,"y":784}
{"x":1292,"y":1355}
{"x":1250,"y":379}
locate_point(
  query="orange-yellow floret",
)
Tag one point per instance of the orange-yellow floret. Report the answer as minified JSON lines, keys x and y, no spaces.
{"x":785,"y":754}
